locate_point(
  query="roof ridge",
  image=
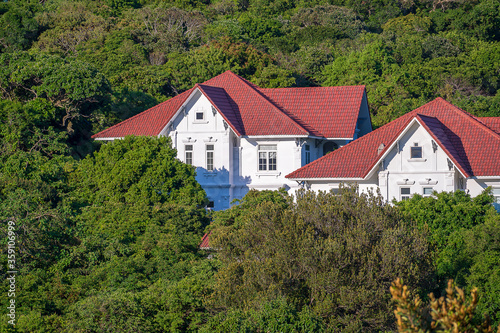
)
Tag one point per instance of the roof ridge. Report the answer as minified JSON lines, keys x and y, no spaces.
{"x":124,"y":122}
{"x":469,"y":116}
{"x":279,"y":110}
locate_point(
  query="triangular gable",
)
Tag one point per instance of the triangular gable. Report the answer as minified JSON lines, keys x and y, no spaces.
{"x":218,"y":98}
{"x":435,"y":129}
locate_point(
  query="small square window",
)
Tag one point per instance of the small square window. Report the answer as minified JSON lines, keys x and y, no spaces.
{"x":416,"y":151}
{"x":211,"y":204}
{"x":200,"y":116}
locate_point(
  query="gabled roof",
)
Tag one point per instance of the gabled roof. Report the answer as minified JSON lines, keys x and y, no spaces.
{"x":472,"y":146}
{"x":329,"y":112}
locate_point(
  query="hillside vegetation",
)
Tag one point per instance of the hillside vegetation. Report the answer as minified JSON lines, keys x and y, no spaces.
{"x":107,"y":235}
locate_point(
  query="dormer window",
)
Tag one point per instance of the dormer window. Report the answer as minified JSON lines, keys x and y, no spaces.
{"x":200,"y":116}
{"x":416,"y":151}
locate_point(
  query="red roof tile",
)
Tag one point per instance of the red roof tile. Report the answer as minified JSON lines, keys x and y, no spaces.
{"x":324,"y":111}
{"x":147,"y":123}
{"x":473,"y":146}
{"x":205,"y":241}
{"x":249,"y":110}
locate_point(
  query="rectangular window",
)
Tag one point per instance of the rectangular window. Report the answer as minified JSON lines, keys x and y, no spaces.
{"x":268,"y":157}
{"x":210,"y":157}
{"x":307,"y":154}
{"x":427,"y":191}
{"x":199,"y":116}
{"x":496,"y":193}
{"x":416,"y":151}
{"x":189,"y":154}
{"x":405,"y":193}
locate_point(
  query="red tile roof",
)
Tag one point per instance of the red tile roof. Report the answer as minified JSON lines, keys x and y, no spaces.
{"x":329,"y":112}
{"x":147,"y":123}
{"x":326,"y":111}
{"x":205,"y":241}
{"x":470,"y":144}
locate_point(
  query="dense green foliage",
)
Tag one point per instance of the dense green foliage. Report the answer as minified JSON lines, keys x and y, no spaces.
{"x":334,"y":254}
{"x":107,"y":235}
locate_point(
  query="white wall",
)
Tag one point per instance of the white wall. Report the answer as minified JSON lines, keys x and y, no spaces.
{"x":187,"y":130}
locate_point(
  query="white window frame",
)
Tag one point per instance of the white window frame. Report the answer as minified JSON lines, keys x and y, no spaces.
{"x":209,"y":156}
{"x":265,"y":154}
{"x":405,"y":196}
{"x":188,"y":154}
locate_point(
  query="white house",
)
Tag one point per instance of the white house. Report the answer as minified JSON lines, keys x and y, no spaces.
{"x":240,"y":136}
{"x":437,"y":147}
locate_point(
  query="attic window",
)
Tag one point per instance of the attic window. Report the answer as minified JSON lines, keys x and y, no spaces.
{"x":416,"y":151}
{"x":200,"y":116}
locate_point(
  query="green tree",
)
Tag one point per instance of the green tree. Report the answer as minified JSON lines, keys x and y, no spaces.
{"x":336,"y":254}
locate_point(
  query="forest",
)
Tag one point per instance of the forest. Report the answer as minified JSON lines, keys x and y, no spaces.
{"x":107,"y":235}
